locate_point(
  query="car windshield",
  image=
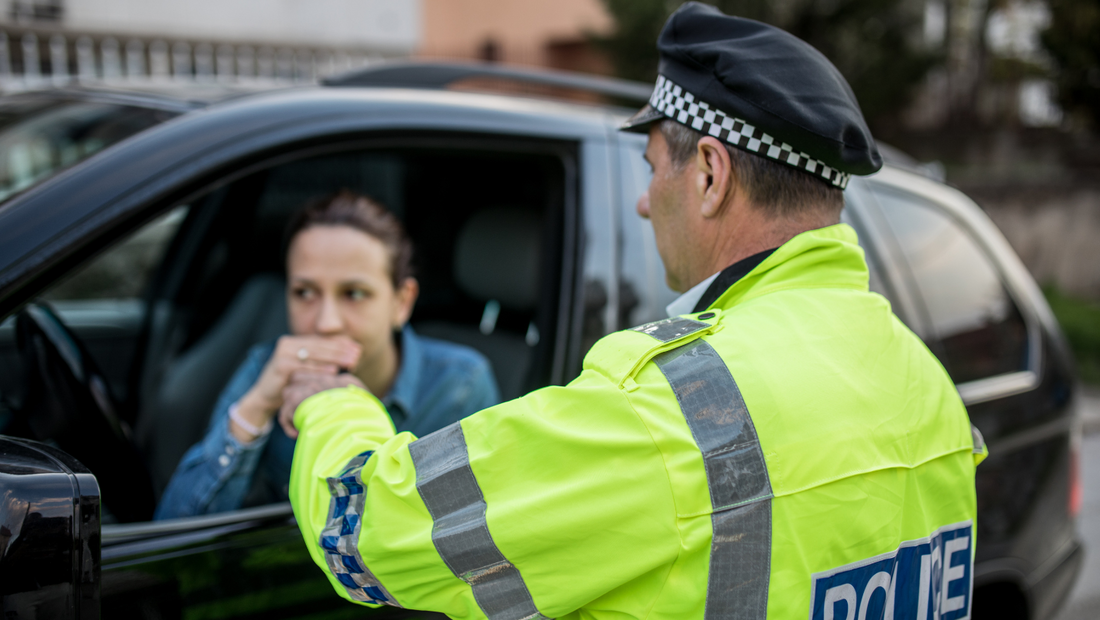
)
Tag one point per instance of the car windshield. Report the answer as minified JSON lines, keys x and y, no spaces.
{"x":41,"y":136}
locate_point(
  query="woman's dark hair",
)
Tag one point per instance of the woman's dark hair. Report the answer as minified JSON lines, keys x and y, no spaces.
{"x":346,"y":208}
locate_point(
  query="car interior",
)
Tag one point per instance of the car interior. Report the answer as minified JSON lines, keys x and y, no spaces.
{"x":165,"y":316}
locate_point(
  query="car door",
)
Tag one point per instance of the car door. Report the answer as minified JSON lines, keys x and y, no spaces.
{"x":254,"y":560}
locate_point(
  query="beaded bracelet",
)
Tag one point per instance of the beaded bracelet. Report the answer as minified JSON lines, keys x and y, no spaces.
{"x":250,"y":428}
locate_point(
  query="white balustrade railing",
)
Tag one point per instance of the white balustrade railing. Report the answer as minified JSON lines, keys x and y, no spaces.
{"x":30,"y":60}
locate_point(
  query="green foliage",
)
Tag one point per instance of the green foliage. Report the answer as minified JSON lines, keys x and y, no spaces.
{"x":633,"y":46}
{"x":1073,"y":41}
{"x":874,"y":43}
{"x":1013,"y":70}
{"x":1080,"y":322}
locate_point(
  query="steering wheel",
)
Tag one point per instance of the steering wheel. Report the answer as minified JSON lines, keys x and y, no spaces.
{"x":68,"y":402}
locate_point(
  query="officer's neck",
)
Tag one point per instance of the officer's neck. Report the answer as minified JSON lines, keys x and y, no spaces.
{"x":742,"y":230}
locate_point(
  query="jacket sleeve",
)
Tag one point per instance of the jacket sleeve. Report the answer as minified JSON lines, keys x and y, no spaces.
{"x":541,"y":505}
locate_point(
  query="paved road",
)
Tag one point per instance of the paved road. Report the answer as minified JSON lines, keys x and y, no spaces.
{"x":1084,"y":600}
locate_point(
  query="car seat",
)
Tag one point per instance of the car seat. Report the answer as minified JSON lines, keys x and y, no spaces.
{"x":496,"y":262}
{"x":177,"y":415}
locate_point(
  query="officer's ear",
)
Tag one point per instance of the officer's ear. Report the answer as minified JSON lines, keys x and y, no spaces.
{"x":713,"y":180}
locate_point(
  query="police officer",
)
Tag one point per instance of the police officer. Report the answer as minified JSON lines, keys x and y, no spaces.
{"x":782,"y":448}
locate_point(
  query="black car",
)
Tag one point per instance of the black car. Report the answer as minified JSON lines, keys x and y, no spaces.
{"x":140,"y":258}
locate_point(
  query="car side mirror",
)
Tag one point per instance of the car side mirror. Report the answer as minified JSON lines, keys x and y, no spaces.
{"x":49,"y":533}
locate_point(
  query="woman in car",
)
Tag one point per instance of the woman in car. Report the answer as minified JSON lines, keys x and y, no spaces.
{"x":350,"y":292}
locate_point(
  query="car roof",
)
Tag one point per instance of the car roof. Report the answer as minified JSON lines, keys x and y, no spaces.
{"x":556,"y":95}
{"x":585,"y":91}
{"x":183,"y":99}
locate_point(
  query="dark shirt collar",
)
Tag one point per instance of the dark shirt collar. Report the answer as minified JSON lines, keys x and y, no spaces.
{"x":728,"y":277}
{"x":402,"y":396}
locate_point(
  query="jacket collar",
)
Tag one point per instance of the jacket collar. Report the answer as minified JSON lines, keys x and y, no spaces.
{"x":727,"y":277}
{"x":827,"y":257}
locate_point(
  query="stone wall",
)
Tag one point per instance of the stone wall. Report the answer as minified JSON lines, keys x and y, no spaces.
{"x":1040,"y":186}
{"x":1058,"y":237}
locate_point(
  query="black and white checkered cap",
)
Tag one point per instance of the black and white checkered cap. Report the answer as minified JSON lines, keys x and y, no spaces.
{"x":675,"y":103}
{"x":760,"y":89}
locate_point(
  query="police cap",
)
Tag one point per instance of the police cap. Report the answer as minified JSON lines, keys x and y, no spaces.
{"x":760,"y":89}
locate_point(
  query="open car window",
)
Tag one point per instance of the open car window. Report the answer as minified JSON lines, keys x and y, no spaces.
{"x":486,"y":220}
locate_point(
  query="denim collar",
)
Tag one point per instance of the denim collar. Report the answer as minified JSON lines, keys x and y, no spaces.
{"x":402,"y":395}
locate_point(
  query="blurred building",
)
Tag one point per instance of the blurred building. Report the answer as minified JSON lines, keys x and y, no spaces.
{"x":56,"y":42}
{"x":46,"y":42}
{"x":555,"y":34}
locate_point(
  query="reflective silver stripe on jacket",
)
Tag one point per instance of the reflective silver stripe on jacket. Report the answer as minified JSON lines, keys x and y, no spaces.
{"x":740,"y":491}
{"x":460,"y":533}
{"x":667,"y":330}
{"x":340,"y":538}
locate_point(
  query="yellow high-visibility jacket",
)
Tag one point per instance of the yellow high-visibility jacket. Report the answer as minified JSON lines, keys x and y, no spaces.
{"x":792,"y":452}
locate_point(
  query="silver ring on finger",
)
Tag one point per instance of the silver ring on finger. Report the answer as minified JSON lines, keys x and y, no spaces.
{"x":303,"y":354}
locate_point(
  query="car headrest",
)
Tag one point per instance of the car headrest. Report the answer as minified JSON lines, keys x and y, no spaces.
{"x":497,"y":257}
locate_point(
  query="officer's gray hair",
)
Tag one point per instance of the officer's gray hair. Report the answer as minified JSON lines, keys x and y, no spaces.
{"x":777,"y":188}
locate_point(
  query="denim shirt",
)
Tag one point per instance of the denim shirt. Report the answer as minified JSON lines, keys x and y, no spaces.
{"x":437,"y":383}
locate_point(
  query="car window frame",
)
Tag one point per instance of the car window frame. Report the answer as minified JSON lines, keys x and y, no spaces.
{"x":126,"y":539}
{"x":968,"y":216}
{"x":648,"y":293}
{"x":867,"y":223}
{"x":178,"y":261}
{"x":892,"y":263}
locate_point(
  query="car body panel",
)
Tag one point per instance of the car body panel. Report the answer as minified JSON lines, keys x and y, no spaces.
{"x":49,"y":533}
{"x":246,"y":562}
